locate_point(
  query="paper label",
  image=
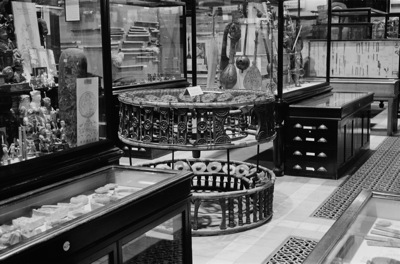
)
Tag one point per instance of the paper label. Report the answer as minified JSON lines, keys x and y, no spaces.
{"x":72,"y":10}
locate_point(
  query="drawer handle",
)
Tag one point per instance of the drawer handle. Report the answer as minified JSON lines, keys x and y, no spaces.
{"x":322,"y":127}
{"x":297,"y":139}
{"x":298,"y":126}
{"x":310,"y":139}
{"x":66,"y":245}
{"x":309,"y":127}
{"x":297,"y":153}
{"x":297,"y":167}
{"x":322,"y":169}
{"x":322,"y":140}
{"x":312,"y":154}
{"x":310,"y":169}
{"x":322,"y":155}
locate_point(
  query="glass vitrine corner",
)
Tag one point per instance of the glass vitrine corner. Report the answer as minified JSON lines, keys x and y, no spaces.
{"x":147,"y":43}
{"x":367,"y":232}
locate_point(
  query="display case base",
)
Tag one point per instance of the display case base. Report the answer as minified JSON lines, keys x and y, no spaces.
{"x":144,"y":153}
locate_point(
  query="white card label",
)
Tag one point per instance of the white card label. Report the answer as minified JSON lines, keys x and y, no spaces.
{"x":193,"y":91}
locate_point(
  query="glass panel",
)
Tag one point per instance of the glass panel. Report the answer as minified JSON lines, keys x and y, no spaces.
{"x":51,"y":62}
{"x":373,"y":237}
{"x":162,"y":243}
{"x":240,"y":44}
{"x":36,"y":214}
{"x":304,"y":44}
{"x":358,"y":24}
{"x":146,"y":42}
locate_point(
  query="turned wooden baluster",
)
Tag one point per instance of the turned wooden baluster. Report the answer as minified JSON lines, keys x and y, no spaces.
{"x":240,"y":210}
{"x":231,"y":213}
{"x":255,"y":207}
{"x":248,"y":209}
{"x":223,"y":213}
{"x":260,"y":205}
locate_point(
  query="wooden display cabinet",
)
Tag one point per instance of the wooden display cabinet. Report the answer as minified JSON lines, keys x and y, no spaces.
{"x":326,"y":133}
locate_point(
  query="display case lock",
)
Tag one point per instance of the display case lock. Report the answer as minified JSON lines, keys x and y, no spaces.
{"x":66,"y":246}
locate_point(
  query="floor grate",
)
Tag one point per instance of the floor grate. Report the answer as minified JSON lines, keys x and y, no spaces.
{"x":294,"y":250}
{"x":381,"y":172}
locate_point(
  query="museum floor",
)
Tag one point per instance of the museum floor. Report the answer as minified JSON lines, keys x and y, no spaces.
{"x":295,"y":200}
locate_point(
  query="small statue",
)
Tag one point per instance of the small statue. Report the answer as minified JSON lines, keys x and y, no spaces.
{"x":48,"y":111}
{"x":44,"y":142}
{"x":5,"y":157}
{"x":12,"y":151}
{"x":36,"y":100}
{"x":62,"y":127}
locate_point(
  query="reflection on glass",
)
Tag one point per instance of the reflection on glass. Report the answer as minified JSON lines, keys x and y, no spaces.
{"x":332,"y":100}
{"x":102,"y":260}
{"x":146,"y":42}
{"x":161,"y":244}
{"x":51,"y":62}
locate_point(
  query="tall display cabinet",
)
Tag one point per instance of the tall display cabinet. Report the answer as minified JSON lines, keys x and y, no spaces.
{"x":268,"y":42}
{"x":281,"y":48}
{"x":63,"y":196}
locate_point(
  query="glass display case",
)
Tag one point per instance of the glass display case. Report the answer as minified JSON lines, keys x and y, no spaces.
{"x":54,"y":101}
{"x":367,"y":232}
{"x":148,"y":42}
{"x":392,"y":25}
{"x":62,"y":198}
{"x":358,"y":24}
{"x":61,"y":63}
{"x":235,"y":46}
{"x":109,"y":206}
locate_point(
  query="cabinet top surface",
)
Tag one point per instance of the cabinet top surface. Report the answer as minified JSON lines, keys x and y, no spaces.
{"x":332,"y":100}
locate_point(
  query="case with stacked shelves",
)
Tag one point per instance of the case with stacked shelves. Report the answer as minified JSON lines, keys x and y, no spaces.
{"x":45,"y":164}
{"x":358,"y":24}
{"x":149,"y":39}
